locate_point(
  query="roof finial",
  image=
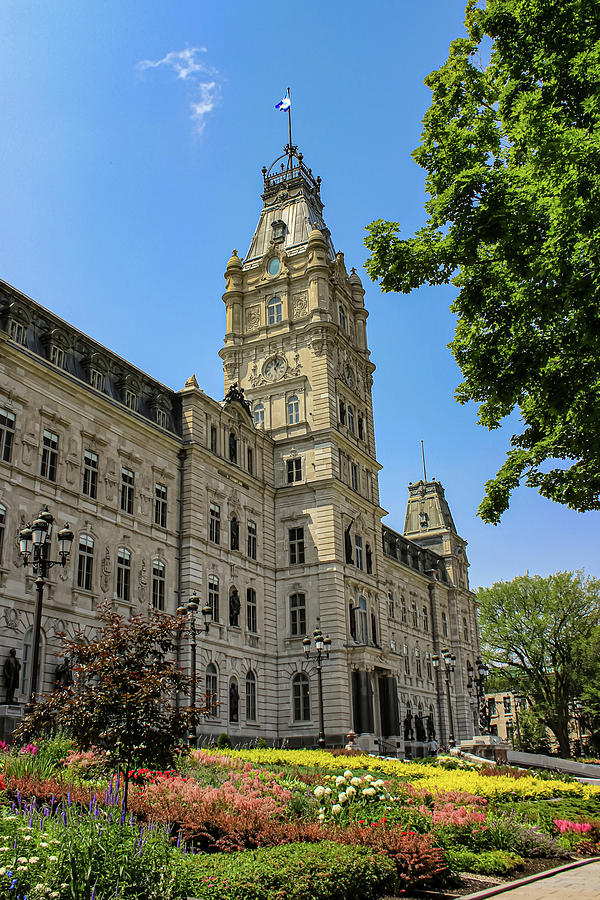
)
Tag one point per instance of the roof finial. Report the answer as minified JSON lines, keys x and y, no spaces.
{"x":423,"y":456}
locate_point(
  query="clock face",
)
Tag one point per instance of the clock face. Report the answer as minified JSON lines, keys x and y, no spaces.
{"x":275,"y":368}
{"x":349,"y":377}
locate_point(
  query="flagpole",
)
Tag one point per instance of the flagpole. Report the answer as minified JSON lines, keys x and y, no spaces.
{"x":290,"y":124}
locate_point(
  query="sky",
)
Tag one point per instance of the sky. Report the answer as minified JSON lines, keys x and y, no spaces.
{"x":131,"y":149}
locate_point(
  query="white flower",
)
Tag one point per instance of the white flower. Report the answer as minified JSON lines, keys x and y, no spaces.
{"x":22,"y":859}
{"x":368,"y":792}
{"x":321,"y":816}
{"x":27,"y":837}
{"x":53,"y":841}
{"x":40,"y":887}
{"x":43,"y":844}
{"x":54,"y":894}
{"x":348,"y":774}
{"x":350,"y":791}
{"x":367,"y":778}
{"x":34,"y":859}
{"x":342,"y":797}
{"x":340,"y":780}
{"x":382,"y":796}
{"x":336,"y":809}
{"x":64,"y":885}
{"x":53,"y":858}
{"x":21,"y":868}
{"x":3,"y":870}
{"x":4,"y":849}
{"x":355,"y":781}
{"x":319,"y":791}
{"x":378,"y":783}
{"x":328,"y":792}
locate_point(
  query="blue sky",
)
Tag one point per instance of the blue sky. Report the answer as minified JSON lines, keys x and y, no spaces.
{"x":130,"y":154}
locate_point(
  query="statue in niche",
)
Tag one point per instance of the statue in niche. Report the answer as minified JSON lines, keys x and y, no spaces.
{"x":63,"y":675}
{"x":10,"y":670}
{"x":430,"y":728}
{"x":232,"y":447}
{"x":369,"y":559}
{"x":419,"y":728}
{"x":348,"y":544}
{"x":408,"y":728}
{"x":234,"y":607}
{"x":234,"y":701}
{"x":234,"y":529}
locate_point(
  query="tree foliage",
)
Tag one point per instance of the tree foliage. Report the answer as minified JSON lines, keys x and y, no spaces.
{"x":512,"y":155}
{"x":542,"y":629}
{"x":123,"y":699}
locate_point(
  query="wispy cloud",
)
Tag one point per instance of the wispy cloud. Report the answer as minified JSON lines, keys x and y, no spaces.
{"x":189,"y":66}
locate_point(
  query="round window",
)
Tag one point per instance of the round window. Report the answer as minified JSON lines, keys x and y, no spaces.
{"x":273,"y":266}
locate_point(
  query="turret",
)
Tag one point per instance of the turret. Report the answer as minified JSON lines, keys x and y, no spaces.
{"x":429,"y":523}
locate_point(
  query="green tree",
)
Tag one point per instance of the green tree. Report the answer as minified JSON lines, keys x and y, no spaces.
{"x":123,"y":699}
{"x":512,"y":155}
{"x":541,"y":629}
{"x":532,"y":735}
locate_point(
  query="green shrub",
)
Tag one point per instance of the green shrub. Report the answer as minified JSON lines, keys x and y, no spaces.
{"x":324,"y":871}
{"x":223,"y":741}
{"x":490,"y":862}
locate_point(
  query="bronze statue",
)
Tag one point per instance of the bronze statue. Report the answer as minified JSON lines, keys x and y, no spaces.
{"x":348,"y":544}
{"x":234,"y":528}
{"x":10,"y":670}
{"x":234,"y":699}
{"x":232,"y":447}
{"x":430,"y":728}
{"x":63,"y":675}
{"x":369,"y":556}
{"x":234,"y":607}
{"x":420,"y":728}
{"x":408,"y":729}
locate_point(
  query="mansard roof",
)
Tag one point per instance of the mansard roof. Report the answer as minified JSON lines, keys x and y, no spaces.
{"x":292,"y":208}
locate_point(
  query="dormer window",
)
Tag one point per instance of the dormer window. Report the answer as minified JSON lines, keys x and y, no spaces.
{"x":97,"y":379}
{"x":130,"y":399}
{"x":278,"y":228}
{"x":57,"y":356}
{"x":161,"y":418}
{"x":274,"y":311}
{"x":17,"y":332}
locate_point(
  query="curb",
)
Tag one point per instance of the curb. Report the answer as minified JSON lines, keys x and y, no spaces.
{"x":531,"y":879}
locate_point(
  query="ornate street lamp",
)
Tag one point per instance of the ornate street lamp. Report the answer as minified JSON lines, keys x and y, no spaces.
{"x":189,"y":609}
{"x":35,"y":542}
{"x":322,"y":646}
{"x":479,"y":681}
{"x":449,"y":660}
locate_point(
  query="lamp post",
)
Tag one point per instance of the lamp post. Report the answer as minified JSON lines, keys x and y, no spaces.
{"x":322,"y":645}
{"x":35,"y":542}
{"x":449,"y":660}
{"x":189,"y":609}
{"x":479,"y":681}
{"x":520,"y":702}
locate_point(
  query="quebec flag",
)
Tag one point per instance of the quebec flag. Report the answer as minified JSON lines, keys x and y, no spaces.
{"x":284,"y":104}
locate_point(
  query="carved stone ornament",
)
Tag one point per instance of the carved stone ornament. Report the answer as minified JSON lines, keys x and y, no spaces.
{"x":142,"y":581}
{"x":300,"y":305}
{"x":106,"y":571}
{"x":256,"y":378}
{"x":295,"y":370}
{"x":11,"y":617}
{"x":253,"y":317}
{"x":29,"y":448}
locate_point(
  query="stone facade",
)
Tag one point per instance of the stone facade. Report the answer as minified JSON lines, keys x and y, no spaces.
{"x":269,"y":508}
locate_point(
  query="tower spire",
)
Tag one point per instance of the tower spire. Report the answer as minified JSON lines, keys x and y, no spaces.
{"x":423,"y":456}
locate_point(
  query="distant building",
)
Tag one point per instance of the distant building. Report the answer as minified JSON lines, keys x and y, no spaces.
{"x":266,"y":502}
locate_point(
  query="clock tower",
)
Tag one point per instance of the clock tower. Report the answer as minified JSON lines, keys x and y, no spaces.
{"x":296,"y":343}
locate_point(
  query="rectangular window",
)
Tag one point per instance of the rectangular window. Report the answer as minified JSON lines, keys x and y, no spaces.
{"x":361,"y":428}
{"x":49,"y":456}
{"x":429,"y":668}
{"x":294,"y":470}
{"x":213,"y":597}
{"x":57,"y":356}
{"x":250,"y":461}
{"x":97,"y":379}
{"x":127,"y":484}
{"x":160,"y":505}
{"x":213,"y":438}
{"x":507,"y":704}
{"x":7,"y":434}
{"x":415,"y":614}
{"x":406,"y":660}
{"x":2,"y":529}
{"x":124,"y":576}
{"x":358,"y":545}
{"x":251,"y":616}
{"x":362,"y":623}
{"x":215,"y":523}
{"x":296,"y":536}
{"x":354,"y":476}
{"x":492,"y":706}
{"x":418,"y":664}
{"x":425,"y":619}
{"x":131,"y":400}
{"x":298,"y":614}
{"x":252,"y":540}
{"x":161,"y":418}
{"x":85,"y":562}
{"x":17,"y":332}
{"x":351,"y":418}
{"x":158,"y":584}
{"x":90,"y":474}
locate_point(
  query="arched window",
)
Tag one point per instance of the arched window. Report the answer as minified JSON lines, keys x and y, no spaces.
{"x":85,"y":562}
{"x":2,"y":529}
{"x":123,"y":575}
{"x":234,"y":701}
{"x":251,"y":696}
{"x":274,"y":311}
{"x":259,"y":414}
{"x":362,"y":633}
{"x":301,"y":697}
{"x":158,"y":584}
{"x":212,"y":689}
{"x":293,"y":410}
{"x":27,"y":659}
{"x":444,"y":624}
{"x":213,"y":597}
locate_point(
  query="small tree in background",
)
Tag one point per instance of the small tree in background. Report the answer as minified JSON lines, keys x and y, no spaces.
{"x":533,"y":735}
{"x":123,"y":700}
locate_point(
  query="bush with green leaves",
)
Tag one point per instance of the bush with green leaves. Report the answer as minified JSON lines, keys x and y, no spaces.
{"x":324,"y":871}
{"x":490,"y":862}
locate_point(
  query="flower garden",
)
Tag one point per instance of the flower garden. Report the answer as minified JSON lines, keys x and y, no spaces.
{"x":268,"y":824}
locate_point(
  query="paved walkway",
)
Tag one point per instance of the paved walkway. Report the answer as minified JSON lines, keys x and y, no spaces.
{"x":580,"y":882}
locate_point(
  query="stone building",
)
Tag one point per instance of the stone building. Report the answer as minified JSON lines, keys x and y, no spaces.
{"x":267,"y":503}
